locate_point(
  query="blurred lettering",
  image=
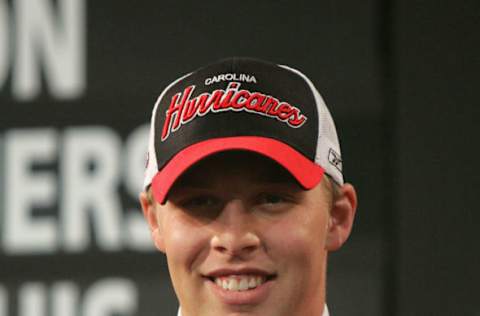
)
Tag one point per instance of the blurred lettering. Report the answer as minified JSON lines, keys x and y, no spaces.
{"x":65,"y":298}
{"x":110,"y":297}
{"x":133,"y":172}
{"x":62,"y":190}
{"x":3,"y":301}
{"x":32,"y":300}
{"x":4,"y":38}
{"x":90,"y":177}
{"x":26,"y":189}
{"x":46,"y":37}
{"x":105,"y":297}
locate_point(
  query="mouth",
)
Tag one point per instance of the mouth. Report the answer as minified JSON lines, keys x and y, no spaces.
{"x":240,"y":282}
{"x":241,"y":286}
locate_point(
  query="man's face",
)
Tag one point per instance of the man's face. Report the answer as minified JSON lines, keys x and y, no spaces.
{"x":242,"y":238}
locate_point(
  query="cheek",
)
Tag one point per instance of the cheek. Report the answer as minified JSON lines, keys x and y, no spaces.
{"x":299,"y":238}
{"x":185,"y":244}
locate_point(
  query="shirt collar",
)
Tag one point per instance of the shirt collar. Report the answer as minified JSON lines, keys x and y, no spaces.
{"x":325,"y":311}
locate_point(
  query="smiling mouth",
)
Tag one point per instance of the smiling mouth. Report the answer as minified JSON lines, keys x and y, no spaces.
{"x":240,"y":283}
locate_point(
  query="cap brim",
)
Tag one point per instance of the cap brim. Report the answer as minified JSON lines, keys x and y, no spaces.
{"x":306,"y":172}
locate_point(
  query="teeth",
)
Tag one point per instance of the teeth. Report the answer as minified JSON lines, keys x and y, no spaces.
{"x":243,"y":285}
{"x":252,"y":282}
{"x":233,"y":285}
{"x":239,"y":282}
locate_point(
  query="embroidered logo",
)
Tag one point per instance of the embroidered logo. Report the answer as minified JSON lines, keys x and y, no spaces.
{"x":183,"y":108}
{"x":231,"y":77}
{"x":335,"y":159}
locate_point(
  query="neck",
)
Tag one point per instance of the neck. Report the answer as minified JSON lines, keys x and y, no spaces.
{"x":324,"y":313}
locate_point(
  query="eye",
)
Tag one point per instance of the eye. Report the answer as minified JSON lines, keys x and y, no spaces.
{"x":275,"y":202}
{"x":271,"y":198}
{"x":200,"y":201}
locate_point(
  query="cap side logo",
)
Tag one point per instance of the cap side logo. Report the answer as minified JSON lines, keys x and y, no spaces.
{"x":335,"y":159}
{"x":147,"y":160}
{"x":183,"y":108}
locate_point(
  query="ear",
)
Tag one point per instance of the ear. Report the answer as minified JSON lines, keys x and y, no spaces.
{"x":341,"y":217}
{"x":153,"y":220}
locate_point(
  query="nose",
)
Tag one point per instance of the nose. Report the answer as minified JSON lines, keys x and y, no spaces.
{"x":235,"y":234}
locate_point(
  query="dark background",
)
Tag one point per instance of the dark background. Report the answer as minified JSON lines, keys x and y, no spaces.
{"x":401,"y":80}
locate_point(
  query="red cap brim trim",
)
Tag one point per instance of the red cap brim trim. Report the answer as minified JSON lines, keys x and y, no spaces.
{"x":307,"y":173}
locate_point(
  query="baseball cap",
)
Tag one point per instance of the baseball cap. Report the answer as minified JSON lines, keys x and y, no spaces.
{"x":242,"y":104}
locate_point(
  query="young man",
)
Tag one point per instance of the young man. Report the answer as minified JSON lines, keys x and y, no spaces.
{"x":244,"y":191}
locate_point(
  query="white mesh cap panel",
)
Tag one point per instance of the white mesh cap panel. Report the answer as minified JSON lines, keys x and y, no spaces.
{"x":328,"y":154}
{"x":152,"y":165}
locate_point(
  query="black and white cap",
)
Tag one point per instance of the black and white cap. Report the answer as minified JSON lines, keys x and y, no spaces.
{"x":242,"y":104}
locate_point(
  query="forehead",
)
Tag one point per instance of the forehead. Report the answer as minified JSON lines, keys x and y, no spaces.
{"x":235,"y":165}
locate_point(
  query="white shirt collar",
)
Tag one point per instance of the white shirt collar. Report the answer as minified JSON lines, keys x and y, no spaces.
{"x":325,"y":311}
